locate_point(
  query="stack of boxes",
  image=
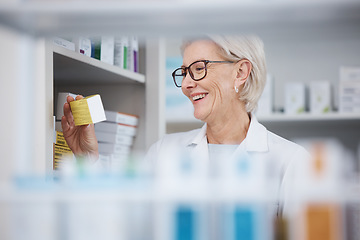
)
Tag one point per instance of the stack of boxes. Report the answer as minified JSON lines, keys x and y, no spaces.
{"x":62,"y":152}
{"x":115,"y":138}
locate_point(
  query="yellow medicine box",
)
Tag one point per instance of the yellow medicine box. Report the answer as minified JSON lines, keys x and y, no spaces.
{"x":88,"y":110}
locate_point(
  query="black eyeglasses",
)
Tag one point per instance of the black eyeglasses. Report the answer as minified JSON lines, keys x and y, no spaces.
{"x":197,"y":71}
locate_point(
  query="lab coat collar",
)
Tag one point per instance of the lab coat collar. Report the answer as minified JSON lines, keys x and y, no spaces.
{"x":256,"y":139}
{"x":200,"y":137}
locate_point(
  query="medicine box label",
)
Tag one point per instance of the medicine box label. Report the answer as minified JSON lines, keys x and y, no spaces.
{"x":60,"y":140}
{"x":88,"y":110}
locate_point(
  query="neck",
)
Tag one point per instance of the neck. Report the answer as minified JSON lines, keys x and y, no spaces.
{"x":231,"y":129}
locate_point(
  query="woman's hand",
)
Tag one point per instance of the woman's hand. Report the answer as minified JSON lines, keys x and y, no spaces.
{"x":81,"y":139}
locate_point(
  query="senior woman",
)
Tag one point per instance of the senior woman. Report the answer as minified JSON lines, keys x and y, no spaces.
{"x":223,"y":77}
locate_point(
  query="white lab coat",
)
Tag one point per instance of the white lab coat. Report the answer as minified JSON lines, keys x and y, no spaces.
{"x":258,"y":142}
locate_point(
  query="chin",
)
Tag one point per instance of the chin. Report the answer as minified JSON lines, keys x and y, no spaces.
{"x":199,"y":116}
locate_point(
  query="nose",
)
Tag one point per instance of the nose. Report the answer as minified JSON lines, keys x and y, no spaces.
{"x":188,"y":82}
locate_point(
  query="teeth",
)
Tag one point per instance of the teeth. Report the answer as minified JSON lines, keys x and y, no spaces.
{"x":197,"y":97}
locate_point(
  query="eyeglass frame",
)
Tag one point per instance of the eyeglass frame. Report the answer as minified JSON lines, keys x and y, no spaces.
{"x":187,"y":70}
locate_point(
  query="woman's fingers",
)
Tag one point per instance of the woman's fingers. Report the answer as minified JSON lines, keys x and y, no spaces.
{"x":69,"y":99}
{"x":67,"y":110}
{"x":67,"y":113}
{"x":64,"y":124}
{"x":78,"y":97}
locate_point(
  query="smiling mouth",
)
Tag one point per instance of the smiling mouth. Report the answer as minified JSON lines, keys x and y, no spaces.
{"x":199,"y":97}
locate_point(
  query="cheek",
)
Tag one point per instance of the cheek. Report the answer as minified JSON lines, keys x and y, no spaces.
{"x":221,"y":87}
{"x":183,"y":89}
{"x":221,"y":80}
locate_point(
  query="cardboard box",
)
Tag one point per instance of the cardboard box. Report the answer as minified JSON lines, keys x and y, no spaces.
{"x":119,"y":56}
{"x":107,"y":50}
{"x":64,"y":43}
{"x":349,"y":89}
{"x":60,"y":155}
{"x":88,"y":110}
{"x":114,"y":138}
{"x":295,"y":98}
{"x":117,"y":128}
{"x":112,"y":148}
{"x":83,"y":46}
{"x":124,"y":118}
{"x":320,"y":97}
{"x":133,"y":54}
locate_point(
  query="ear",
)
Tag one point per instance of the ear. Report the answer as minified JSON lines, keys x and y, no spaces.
{"x":244,"y":67}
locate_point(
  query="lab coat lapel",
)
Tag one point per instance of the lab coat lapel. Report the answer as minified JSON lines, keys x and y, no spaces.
{"x":198,"y":148}
{"x":256,"y":141}
{"x":256,"y":138}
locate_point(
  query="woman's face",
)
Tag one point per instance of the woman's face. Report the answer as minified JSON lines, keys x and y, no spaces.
{"x":213,"y":97}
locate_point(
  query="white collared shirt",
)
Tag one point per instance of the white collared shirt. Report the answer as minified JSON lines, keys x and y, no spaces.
{"x":259,"y":142}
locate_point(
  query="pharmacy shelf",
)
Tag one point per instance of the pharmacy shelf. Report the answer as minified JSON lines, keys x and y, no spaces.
{"x":281,"y":117}
{"x":340,"y":125}
{"x":278,"y":121}
{"x":308,"y":117}
{"x":76,"y":68}
{"x":178,"y":17}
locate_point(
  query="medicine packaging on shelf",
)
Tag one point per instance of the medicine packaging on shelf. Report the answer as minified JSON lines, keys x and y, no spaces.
{"x":320,"y":97}
{"x":88,"y":110}
{"x":295,"y":97}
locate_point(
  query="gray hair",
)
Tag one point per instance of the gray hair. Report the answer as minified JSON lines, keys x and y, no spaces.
{"x":235,"y":48}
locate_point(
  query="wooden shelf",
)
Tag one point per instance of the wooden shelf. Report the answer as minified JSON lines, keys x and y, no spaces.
{"x":75,"y":68}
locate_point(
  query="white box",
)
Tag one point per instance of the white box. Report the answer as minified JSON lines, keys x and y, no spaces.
{"x":111,"y":148}
{"x":61,"y":100}
{"x":117,"y":128}
{"x":320,"y":97}
{"x":265,"y":104}
{"x":295,"y":98}
{"x":349,"y":89}
{"x":124,"y":118}
{"x":114,"y":138}
{"x":83,"y":46}
{"x":133,"y":52}
{"x":119,"y":49}
{"x":107,"y":50}
{"x":64,"y":43}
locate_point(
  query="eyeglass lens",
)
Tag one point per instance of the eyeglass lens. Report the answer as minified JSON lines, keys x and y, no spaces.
{"x":197,"y":71}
